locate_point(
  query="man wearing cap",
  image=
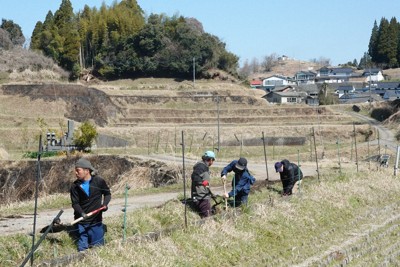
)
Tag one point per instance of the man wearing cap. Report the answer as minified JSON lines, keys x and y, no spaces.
{"x":291,"y":176}
{"x":88,"y":193}
{"x":241,"y":182}
{"x":201,"y":193}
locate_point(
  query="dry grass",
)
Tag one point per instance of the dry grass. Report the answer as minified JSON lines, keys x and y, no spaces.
{"x":26,"y":66}
{"x":143,"y":122}
{"x":328,"y":216}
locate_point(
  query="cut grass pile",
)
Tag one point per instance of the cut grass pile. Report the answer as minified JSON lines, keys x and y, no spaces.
{"x":328,"y":216}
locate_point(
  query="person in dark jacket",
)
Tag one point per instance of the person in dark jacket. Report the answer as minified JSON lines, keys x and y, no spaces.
{"x":241,"y":182}
{"x":88,"y":193}
{"x":201,"y":193}
{"x":290,"y":174}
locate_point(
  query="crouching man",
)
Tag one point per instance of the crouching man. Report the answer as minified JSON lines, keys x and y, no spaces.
{"x":291,"y":176}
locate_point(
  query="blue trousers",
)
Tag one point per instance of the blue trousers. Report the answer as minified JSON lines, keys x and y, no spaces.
{"x":239,"y":199}
{"x":90,"y":235}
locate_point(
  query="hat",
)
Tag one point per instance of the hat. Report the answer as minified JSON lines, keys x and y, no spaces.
{"x":84,"y":164}
{"x":209,"y":154}
{"x":241,"y":164}
{"x":278,"y":166}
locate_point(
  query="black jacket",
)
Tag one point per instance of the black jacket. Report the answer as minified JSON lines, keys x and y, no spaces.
{"x":290,"y":175}
{"x":82,"y":203}
{"x":201,"y":172}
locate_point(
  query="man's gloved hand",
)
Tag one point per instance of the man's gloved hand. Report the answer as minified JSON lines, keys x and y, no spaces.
{"x":205,"y":183}
{"x":223,"y":177}
{"x":84,"y":215}
{"x":105,"y":208}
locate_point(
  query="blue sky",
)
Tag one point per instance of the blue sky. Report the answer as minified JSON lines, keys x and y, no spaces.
{"x":304,"y":30}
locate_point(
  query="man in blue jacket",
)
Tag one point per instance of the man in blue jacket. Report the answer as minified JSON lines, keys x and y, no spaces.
{"x":241,"y":182}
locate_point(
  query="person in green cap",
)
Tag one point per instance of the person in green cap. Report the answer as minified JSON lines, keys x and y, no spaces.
{"x":200,"y":190}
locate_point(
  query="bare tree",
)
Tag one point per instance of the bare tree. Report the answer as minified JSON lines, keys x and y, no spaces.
{"x":255,"y":66}
{"x":5,"y":41}
{"x":245,"y":70}
{"x":269,"y":62}
{"x":322,"y":61}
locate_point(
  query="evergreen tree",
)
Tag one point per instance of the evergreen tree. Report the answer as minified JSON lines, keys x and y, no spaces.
{"x":355,"y":63}
{"x":68,"y":41}
{"x":393,"y":32}
{"x":373,"y":41}
{"x":383,"y":43}
{"x":365,"y":61}
{"x":36,"y":39}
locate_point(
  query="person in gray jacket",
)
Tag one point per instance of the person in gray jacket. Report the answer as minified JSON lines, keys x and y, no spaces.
{"x":201,"y":193}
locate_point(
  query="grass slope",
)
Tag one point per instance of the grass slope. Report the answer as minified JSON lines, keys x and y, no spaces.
{"x":348,"y":217}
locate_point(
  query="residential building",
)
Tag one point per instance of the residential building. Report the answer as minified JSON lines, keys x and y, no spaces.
{"x":275,"y":81}
{"x":387,"y":86}
{"x":256,"y":84}
{"x":373,"y":75}
{"x":333,"y":75}
{"x":285,"y":97}
{"x":305,"y":77}
{"x":345,"y":90}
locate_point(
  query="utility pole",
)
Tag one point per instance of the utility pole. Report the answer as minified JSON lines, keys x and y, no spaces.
{"x":194,"y":70}
{"x":369,"y":87}
{"x":265,"y":156}
{"x":184,"y":177}
{"x":355,"y":143}
{"x":218,"y":148}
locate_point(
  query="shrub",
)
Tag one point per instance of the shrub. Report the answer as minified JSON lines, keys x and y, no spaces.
{"x":84,"y":137}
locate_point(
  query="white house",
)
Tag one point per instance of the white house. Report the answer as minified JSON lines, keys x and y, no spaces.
{"x":276,"y":81}
{"x":373,"y":75}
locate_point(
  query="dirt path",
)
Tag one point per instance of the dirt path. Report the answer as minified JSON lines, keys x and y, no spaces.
{"x":257,"y":169}
{"x":386,"y":137}
{"x":24,"y":223}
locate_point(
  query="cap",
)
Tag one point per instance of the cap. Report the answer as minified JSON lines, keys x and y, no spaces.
{"x":209,"y":154}
{"x":84,"y":164}
{"x":241,"y":164}
{"x":278,"y":166}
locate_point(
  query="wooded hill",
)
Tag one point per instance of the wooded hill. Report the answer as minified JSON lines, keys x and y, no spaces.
{"x":117,"y":41}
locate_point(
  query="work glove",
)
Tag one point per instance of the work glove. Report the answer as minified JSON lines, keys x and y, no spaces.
{"x":223,"y":177}
{"x":205,"y":183}
{"x":105,"y":208}
{"x":84,"y":215}
{"x":226,"y":195}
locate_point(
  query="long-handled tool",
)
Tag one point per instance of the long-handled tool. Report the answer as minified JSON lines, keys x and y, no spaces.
{"x":226,"y":200}
{"x":88,"y":215}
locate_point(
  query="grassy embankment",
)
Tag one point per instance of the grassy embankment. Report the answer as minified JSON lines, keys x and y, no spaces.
{"x":353,"y":213}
